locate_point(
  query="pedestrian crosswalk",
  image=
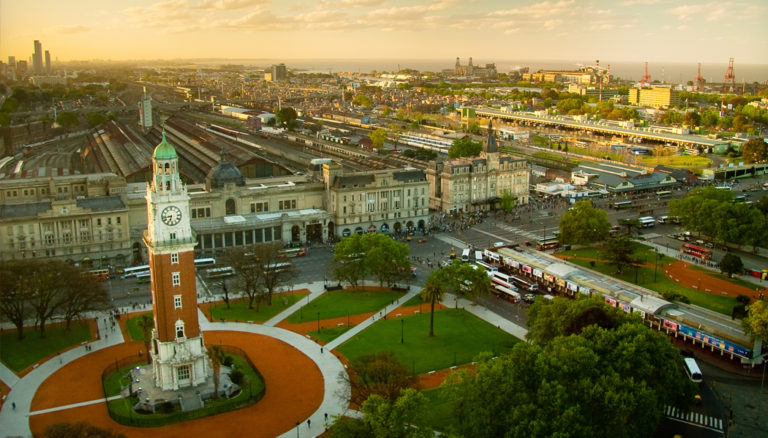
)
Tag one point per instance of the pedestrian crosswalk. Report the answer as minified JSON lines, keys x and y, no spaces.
{"x":518,"y":231}
{"x":695,"y":418}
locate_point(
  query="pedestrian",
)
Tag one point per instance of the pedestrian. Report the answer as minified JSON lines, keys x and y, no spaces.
{"x":309,"y":422}
{"x":321,"y":350}
{"x":13,"y":405}
{"x":59,"y":356}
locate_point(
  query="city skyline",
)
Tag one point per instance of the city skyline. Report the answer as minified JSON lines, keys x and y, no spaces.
{"x":622,"y":31}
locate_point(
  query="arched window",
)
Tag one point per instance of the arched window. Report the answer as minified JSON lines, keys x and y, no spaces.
{"x":229,"y":206}
{"x":168,"y":185}
{"x":179,"y":329}
{"x":167,"y":168}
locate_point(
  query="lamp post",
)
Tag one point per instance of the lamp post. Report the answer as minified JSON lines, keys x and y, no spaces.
{"x":318,"y":321}
{"x":402,"y":330}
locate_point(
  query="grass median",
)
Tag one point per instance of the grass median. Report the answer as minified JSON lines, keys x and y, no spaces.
{"x":19,"y":354}
{"x":338,"y":303}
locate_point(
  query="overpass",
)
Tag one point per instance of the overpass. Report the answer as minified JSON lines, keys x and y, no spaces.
{"x":602,"y":127}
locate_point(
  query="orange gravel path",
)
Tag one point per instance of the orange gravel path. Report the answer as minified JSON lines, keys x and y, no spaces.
{"x":684,"y":274}
{"x":294,"y":391}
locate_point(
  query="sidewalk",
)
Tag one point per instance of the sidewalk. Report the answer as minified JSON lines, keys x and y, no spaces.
{"x":15,"y":422}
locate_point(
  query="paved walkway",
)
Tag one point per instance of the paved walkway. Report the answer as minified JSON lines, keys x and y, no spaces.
{"x":15,"y":422}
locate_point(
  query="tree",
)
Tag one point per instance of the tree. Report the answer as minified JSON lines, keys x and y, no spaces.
{"x":362,"y":100}
{"x":583,"y":224}
{"x":731,"y":264}
{"x":247,"y":272}
{"x":618,"y":250}
{"x":381,"y":374}
{"x":349,"y":260}
{"x":266,"y":257}
{"x":754,"y":151}
{"x":396,"y":419}
{"x":67,"y":119}
{"x":287,"y":117}
{"x":433,"y":292}
{"x":692,"y":118}
{"x":385,"y":259}
{"x":508,"y":202}
{"x":378,"y":137}
{"x":465,"y":147}
{"x":756,"y":323}
{"x":762,"y":205}
{"x":146,"y":323}
{"x":216,"y":355}
{"x":632,"y":225}
{"x":95,"y":119}
{"x":83,"y":293}
{"x":548,"y":319}
{"x":16,"y":288}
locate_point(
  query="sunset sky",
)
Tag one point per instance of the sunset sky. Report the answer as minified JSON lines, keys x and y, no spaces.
{"x":488,"y":30}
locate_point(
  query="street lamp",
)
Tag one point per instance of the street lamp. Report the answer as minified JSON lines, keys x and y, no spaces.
{"x":318,"y":321}
{"x":402,"y":330}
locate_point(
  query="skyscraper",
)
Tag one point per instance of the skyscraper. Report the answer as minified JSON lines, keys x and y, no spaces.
{"x":47,"y":62}
{"x":37,"y":58}
{"x":279,"y":73}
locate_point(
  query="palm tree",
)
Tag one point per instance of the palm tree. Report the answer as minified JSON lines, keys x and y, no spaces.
{"x":216,"y":355}
{"x":146,"y":324}
{"x":433,"y":291}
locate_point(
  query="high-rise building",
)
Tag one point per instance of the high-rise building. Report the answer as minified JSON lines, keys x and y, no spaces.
{"x":279,"y":73}
{"x":47,"y":62}
{"x":12,"y":61}
{"x":657,"y":97}
{"x":145,"y":111}
{"x":178,"y":353}
{"x":37,"y":58}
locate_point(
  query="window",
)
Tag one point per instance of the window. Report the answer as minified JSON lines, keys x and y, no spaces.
{"x":257,"y":207}
{"x":118,"y":219}
{"x":182,"y":373}
{"x":176,"y":278}
{"x":201,"y":212}
{"x":174,"y":257}
{"x":287,"y":204}
{"x":173,"y":236}
{"x":98,"y":221}
{"x":177,"y":301}
{"x":229,"y":207}
{"x":179,"y":329}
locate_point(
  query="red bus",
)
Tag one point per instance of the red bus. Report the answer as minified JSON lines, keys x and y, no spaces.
{"x":696,"y":251}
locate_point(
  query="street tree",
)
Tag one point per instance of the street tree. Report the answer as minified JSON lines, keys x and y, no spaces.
{"x":247,"y":274}
{"x":378,"y":137}
{"x":396,"y":418}
{"x":17,"y":284}
{"x":216,"y":355}
{"x":67,"y":119}
{"x":583,"y":224}
{"x":619,"y":251}
{"x":380,"y":373}
{"x":349,"y":260}
{"x":146,"y":323}
{"x":731,"y":264}
{"x":267,"y":257}
{"x":465,"y":147}
{"x":755,"y":151}
{"x":287,"y":116}
{"x":756,"y":323}
{"x":508,"y":201}
{"x":83,"y":293}
{"x":385,"y":259}
{"x":433,"y":292}
{"x":632,"y":225}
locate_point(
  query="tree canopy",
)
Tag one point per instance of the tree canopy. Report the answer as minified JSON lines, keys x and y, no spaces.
{"x":357,"y":256}
{"x":287,"y":116}
{"x":731,"y":264}
{"x":378,"y":137}
{"x":756,"y":323}
{"x":754,"y":151}
{"x":583,"y":224}
{"x":619,"y":249}
{"x":465,"y":147}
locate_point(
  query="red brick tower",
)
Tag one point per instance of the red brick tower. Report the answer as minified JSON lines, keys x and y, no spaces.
{"x":178,"y":352}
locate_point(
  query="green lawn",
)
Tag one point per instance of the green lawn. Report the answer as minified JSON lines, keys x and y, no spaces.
{"x":132,"y":327}
{"x":643,"y":252}
{"x":116,"y":381}
{"x":677,"y":161}
{"x":334,"y":304}
{"x":414,"y":301}
{"x":438,"y":413}
{"x":645,"y":278}
{"x":121,"y":411}
{"x":239,"y":311}
{"x":459,"y":337}
{"x":326,"y":335}
{"x":18,"y":355}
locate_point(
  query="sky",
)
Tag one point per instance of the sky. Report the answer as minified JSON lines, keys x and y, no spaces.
{"x":487,"y":30}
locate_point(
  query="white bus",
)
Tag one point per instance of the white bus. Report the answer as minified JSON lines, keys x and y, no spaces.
{"x":204,"y":262}
{"x":524,"y":284}
{"x":133,"y":270}
{"x":692,"y":370}
{"x":647,"y":221}
{"x":222,"y":272}
{"x":465,"y":255}
{"x":478,"y":256}
{"x":502,"y":276}
{"x":486,"y":266}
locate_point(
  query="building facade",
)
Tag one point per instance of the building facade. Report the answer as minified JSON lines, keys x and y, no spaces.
{"x":654,"y":97}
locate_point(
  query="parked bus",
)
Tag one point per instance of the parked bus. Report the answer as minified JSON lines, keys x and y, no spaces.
{"x":696,"y":251}
{"x":293,"y":252}
{"x":143,"y":277}
{"x":692,"y":370}
{"x":204,"y":262}
{"x":739,"y":198}
{"x":647,"y":221}
{"x":507,"y":292}
{"x":278,"y":267}
{"x":502,"y":276}
{"x":524,"y":284}
{"x":622,"y":205}
{"x":486,"y":266}
{"x":478,"y":256}
{"x":664,"y":193}
{"x":465,"y":255}
{"x":99,"y":274}
{"x":133,"y":270}
{"x":222,"y":272}
{"x":547,"y":244}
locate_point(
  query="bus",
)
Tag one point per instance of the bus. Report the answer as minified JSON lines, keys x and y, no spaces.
{"x":647,"y":221}
{"x":502,"y":276}
{"x":133,"y":270}
{"x":278,"y":267}
{"x":692,"y":370}
{"x":222,"y":272}
{"x":664,"y":193}
{"x":465,"y":255}
{"x":507,"y":292}
{"x":547,"y":244}
{"x":143,"y":277}
{"x":524,"y":284}
{"x":486,"y":266}
{"x":622,"y":205}
{"x":696,"y":251}
{"x":293,"y":252}
{"x":99,"y":274}
{"x":739,"y":198}
{"x":204,"y":262}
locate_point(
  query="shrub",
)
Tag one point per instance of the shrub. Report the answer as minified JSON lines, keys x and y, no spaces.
{"x":237,"y":377}
{"x":227,"y":362}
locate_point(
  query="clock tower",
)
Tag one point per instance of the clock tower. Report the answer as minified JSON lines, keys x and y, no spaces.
{"x":178,"y":353}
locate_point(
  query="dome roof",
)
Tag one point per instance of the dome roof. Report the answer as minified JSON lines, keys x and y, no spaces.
{"x":225,"y":173}
{"x":164,"y":151}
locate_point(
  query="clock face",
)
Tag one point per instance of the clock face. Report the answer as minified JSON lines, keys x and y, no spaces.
{"x":171,"y":215}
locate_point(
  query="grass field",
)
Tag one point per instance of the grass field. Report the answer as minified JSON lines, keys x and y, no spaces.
{"x":677,"y":161}
{"x":643,"y":252}
{"x":239,"y":311}
{"x":459,"y":337}
{"x":132,"y":327}
{"x":326,"y":335}
{"x":334,"y":304}
{"x":18,"y":355}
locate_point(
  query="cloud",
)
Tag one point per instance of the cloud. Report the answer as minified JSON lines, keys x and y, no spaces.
{"x":72,"y":29}
{"x":351,"y":3}
{"x":537,"y":10}
{"x":640,"y":2}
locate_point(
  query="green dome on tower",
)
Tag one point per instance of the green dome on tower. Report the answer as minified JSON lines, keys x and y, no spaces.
{"x":164,"y":151}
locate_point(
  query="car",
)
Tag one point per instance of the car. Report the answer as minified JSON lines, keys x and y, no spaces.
{"x":422,"y":240}
{"x":529,"y":298}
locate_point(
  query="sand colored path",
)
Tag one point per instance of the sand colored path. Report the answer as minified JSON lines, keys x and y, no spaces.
{"x":684,"y":274}
{"x":294,"y":384}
